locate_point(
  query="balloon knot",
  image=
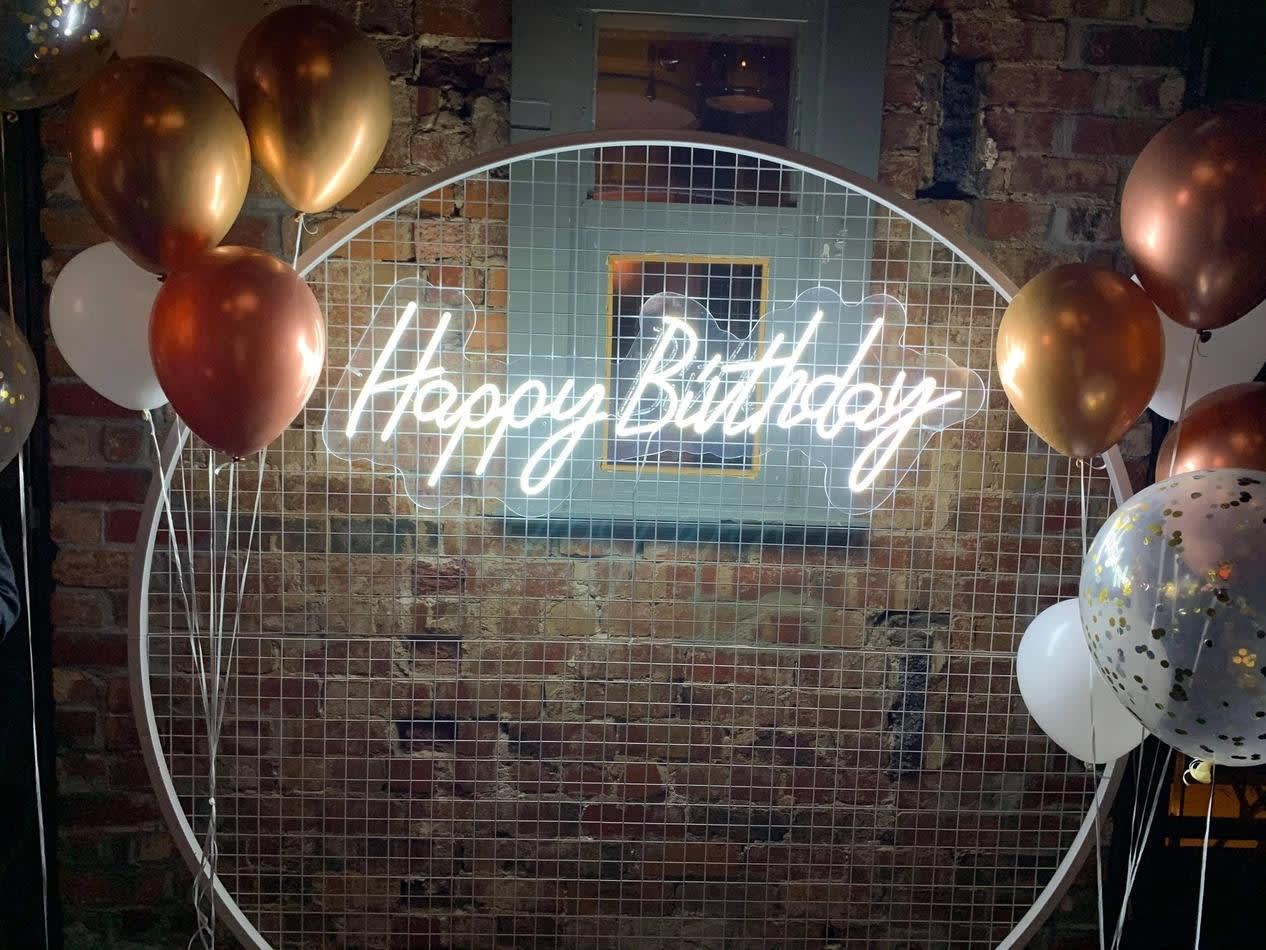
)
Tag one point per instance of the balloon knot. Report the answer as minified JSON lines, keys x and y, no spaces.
{"x":1200,"y":770}
{"x":1206,"y":336}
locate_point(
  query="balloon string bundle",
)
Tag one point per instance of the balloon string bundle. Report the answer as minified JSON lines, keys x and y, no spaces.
{"x":1201,"y":770}
{"x":1141,"y":827}
{"x":23,"y":525}
{"x":213,"y":662}
{"x":1083,"y":476}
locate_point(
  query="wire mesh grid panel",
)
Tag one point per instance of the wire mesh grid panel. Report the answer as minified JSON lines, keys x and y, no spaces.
{"x":647,"y":571}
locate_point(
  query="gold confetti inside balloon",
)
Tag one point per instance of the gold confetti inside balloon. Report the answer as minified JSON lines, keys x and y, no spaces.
{"x":1173,"y":602}
{"x":19,"y":390}
{"x":49,"y":48}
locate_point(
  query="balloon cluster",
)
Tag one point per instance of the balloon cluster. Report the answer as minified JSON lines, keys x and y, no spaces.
{"x":161,"y":144}
{"x":1172,"y":603}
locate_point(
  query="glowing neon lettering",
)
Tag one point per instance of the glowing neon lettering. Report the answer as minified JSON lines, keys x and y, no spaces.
{"x":671,"y":389}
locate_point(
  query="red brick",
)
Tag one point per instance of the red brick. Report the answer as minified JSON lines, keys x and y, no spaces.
{"x":754,"y":581}
{"x":128,"y":772}
{"x":1022,"y":131}
{"x":376,"y":186}
{"x":122,"y":525}
{"x":674,"y":860}
{"x":97,"y":569}
{"x":1173,"y":12}
{"x":119,"y":695}
{"x":1012,"y":220}
{"x":641,"y":782}
{"x":633,"y":821}
{"x":121,"y":444}
{"x":902,"y":172}
{"x":1108,"y":135}
{"x":627,"y":701}
{"x":1139,"y":92}
{"x":1047,"y":177}
{"x":252,"y":230}
{"x":903,"y":130}
{"x":91,"y":887}
{"x":120,"y":733}
{"x":1040,"y":87}
{"x":80,"y":399}
{"x":77,"y":728}
{"x":72,"y":608}
{"x":1021,"y":262}
{"x":787,"y":628}
{"x":77,"y":483}
{"x":75,"y":688}
{"x":429,"y":100}
{"x":1134,"y":46}
{"x":993,"y":37}
{"x":485,"y":20}
{"x":675,"y":741}
{"x":75,"y":525}
{"x":1091,"y":9}
{"x":411,"y":778}
{"x":73,"y":228}
{"x":490,"y":698}
{"x":82,"y":770}
{"x":902,"y":89}
{"x":442,"y":578}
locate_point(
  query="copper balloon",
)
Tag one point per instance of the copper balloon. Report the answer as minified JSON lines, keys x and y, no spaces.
{"x":1225,"y":429}
{"x":161,"y":159}
{"x":316,"y":100}
{"x":48,"y":50}
{"x":238,"y":342}
{"x":1192,"y":215}
{"x":1080,"y":351}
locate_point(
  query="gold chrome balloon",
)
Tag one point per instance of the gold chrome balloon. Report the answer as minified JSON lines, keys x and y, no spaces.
{"x":1080,"y":351}
{"x":49,"y":49}
{"x":160,"y":158}
{"x":316,"y":100}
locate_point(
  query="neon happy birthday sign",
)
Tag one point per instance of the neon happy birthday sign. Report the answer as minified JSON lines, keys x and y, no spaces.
{"x":843,"y":393}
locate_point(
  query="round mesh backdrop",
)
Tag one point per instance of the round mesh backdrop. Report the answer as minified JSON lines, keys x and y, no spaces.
{"x":661,"y":684}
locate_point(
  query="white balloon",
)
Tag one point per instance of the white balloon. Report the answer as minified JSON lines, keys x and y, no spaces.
{"x":1233,"y":354}
{"x":206,"y":34}
{"x":99,"y":310}
{"x":1055,"y":672}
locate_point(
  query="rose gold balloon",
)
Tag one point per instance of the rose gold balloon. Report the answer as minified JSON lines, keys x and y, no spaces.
{"x":161,"y":159}
{"x":316,"y":100}
{"x":1192,"y":215}
{"x":1225,"y":429}
{"x":1080,"y":350}
{"x":238,"y":342}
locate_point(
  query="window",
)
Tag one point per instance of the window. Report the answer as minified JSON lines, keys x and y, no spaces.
{"x":599,"y":249}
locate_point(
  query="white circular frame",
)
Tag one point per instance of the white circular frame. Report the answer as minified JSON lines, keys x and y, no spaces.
{"x":142,"y":701}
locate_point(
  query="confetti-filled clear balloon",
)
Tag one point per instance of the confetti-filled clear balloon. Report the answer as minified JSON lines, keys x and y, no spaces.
{"x":48,"y":48}
{"x":19,"y":390}
{"x":1173,"y":602}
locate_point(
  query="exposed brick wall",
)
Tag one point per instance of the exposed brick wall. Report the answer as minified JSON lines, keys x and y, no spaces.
{"x":1018,"y":119}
